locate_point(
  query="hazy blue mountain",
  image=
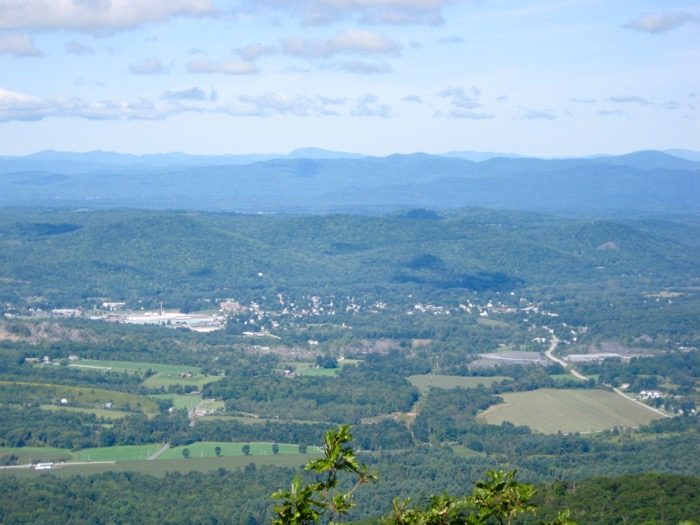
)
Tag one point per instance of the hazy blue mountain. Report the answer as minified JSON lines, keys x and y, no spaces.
{"x":317,"y":153}
{"x":685,"y":154}
{"x":639,"y":182}
{"x":479,"y":156}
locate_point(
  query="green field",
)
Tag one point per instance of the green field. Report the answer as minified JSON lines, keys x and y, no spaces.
{"x":99,"y":412}
{"x":118,"y":453}
{"x":424,"y":381}
{"x":133,"y":366}
{"x":80,"y":396}
{"x":493,"y":323}
{"x":37,"y":454}
{"x":551,"y":410}
{"x":206,"y":450}
{"x":165,"y":375}
{"x":186,"y":401}
{"x":161,"y":468}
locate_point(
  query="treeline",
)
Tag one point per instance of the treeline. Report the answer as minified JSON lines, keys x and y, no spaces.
{"x":243,"y":497}
{"x":35,"y":427}
{"x":355,"y":393}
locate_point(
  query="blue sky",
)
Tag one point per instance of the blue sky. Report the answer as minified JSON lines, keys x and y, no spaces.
{"x":548,"y":78}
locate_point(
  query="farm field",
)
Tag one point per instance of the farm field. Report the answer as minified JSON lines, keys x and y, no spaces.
{"x":117,"y":453}
{"x":180,"y":401}
{"x":37,"y":454}
{"x":161,"y":468}
{"x":132,"y":366}
{"x":205,"y":449}
{"x":99,"y":412}
{"x":424,"y":381}
{"x":165,"y":374}
{"x":78,"y":396}
{"x":551,"y":410}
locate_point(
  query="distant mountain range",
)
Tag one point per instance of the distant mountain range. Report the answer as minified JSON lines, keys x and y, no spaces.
{"x":315,"y":180}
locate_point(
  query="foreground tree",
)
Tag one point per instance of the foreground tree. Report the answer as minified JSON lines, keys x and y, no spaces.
{"x":499,"y":499}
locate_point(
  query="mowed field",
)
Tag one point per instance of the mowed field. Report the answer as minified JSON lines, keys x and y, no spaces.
{"x":423,"y":382}
{"x":165,"y":375}
{"x":552,"y":410}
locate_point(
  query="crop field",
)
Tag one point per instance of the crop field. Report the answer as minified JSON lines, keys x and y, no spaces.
{"x":99,"y":412}
{"x":132,"y":366}
{"x":161,"y":468}
{"x":186,"y":401}
{"x":37,"y":454}
{"x":424,"y":381}
{"x":77,"y":396}
{"x":118,"y":453}
{"x":165,"y":375}
{"x":551,"y":410}
{"x":206,"y":450}
{"x":165,"y":379}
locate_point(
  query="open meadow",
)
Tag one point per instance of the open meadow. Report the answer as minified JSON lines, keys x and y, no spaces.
{"x":553,"y":410}
{"x":424,"y":382}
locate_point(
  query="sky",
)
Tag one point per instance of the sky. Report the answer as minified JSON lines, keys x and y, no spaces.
{"x":545,"y":78}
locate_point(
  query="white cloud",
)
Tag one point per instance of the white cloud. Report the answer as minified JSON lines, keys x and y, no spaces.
{"x":19,"y":45}
{"x":634,"y":99}
{"x":148,"y":66}
{"x":187,"y":94}
{"x":578,"y":100}
{"x":611,"y":113}
{"x":231,"y":67}
{"x":315,"y":12}
{"x":538,"y":114}
{"x":656,"y":23}
{"x":413,"y":98}
{"x":24,"y":107}
{"x":96,"y":15}
{"x":472,"y":115}
{"x":20,"y":106}
{"x":351,"y":41}
{"x":460,"y":99}
{"x":364,"y":68}
{"x":369,"y":106}
{"x":254,"y":51}
{"x":76,"y":48}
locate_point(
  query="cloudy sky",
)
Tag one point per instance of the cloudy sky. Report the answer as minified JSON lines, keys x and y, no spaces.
{"x":540,"y":77}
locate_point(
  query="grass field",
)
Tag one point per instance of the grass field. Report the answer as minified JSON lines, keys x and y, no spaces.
{"x":551,"y":410}
{"x":37,"y":454}
{"x":165,"y":375}
{"x":99,"y":412}
{"x":424,"y":381}
{"x":118,"y":453}
{"x":161,"y":468}
{"x":206,"y":450}
{"x":493,"y":323}
{"x":133,"y":366}
{"x":186,"y":401}
{"x":81,"y":396}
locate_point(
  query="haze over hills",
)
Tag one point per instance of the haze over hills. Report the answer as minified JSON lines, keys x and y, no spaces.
{"x":313,"y":181}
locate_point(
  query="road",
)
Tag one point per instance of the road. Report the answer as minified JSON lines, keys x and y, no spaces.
{"x":550,"y":355}
{"x":162,"y":449}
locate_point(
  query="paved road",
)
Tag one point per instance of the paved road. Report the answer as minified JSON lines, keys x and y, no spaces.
{"x":162,"y":449}
{"x":550,"y":355}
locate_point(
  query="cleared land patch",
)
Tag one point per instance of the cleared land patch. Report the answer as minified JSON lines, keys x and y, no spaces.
{"x":99,"y":412}
{"x":116,"y":453}
{"x":206,"y":449}
{"x":165,"y":375}
{"x":552,"y":410}
{"x":423,"y":382}
{"x":85,"y":397}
